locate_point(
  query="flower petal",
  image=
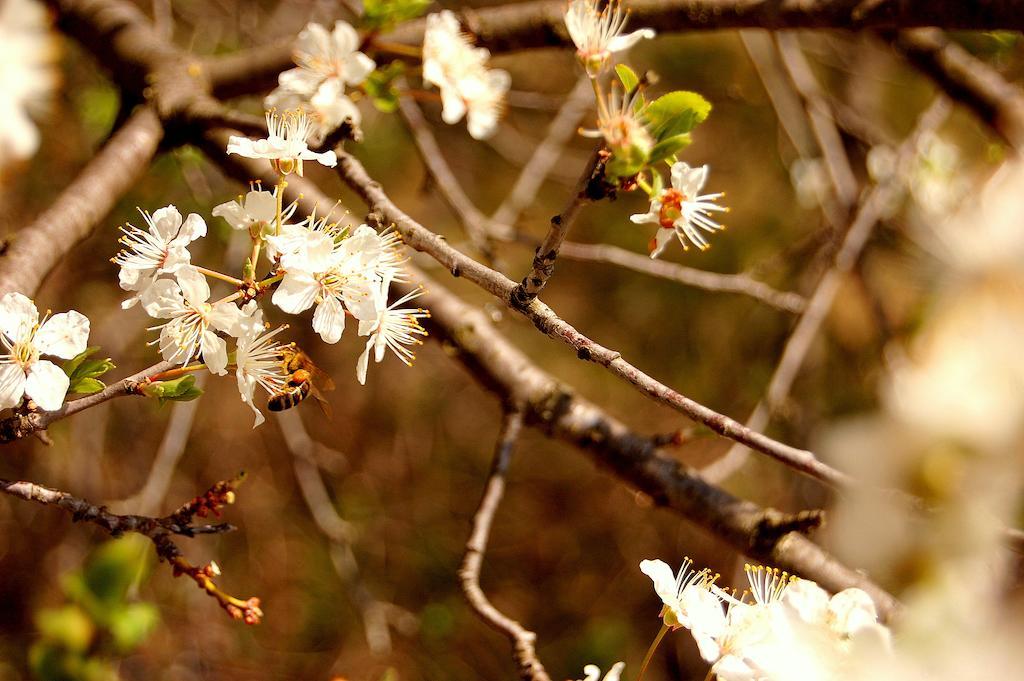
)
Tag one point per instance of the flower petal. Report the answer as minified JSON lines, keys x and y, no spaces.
{"x":65,"y":335}
{"x":18,"y":316}
{"x":296,"y":293}
{"x":215,"y":353}
{"x":12,"y":385}
{"x":47,"y":385}
{"x":329,"y":320}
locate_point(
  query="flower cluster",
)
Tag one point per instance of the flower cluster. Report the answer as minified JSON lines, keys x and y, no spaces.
{"x":468,"y":87}
{"x":638,"y":134}
{"x":782,"y":628}
{"x":327,"y":62}
{"x":315,"y":263}
{"x":28,"y":53}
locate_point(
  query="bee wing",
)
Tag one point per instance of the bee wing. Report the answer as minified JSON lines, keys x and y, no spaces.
{"x":321,"y":381}
{"x":325,"y":406}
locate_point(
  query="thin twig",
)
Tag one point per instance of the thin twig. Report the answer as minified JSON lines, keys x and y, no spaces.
{"x":871,"y":210}
{"x":337,"y":531}
{"x":533,"y":175}
{"x":689,"y":276}
{"x":522,"y":639}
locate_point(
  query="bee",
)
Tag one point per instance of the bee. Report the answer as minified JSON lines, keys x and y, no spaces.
{"x":304,"y":379}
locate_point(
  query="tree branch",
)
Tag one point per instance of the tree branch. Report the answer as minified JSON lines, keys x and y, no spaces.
{"x":524,"y":652}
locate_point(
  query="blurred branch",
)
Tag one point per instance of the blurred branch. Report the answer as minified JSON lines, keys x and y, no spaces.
{"x":338,"y":532}
{"x":873,"y":208}
{"x":688,"y":276}
{"x":967,"y":80}
{"x":544,"y":318}
{"x":37,"y":248}
{"x":543,"y":159}
{"x":157,"y":530}
{"x":518,"y":26}
{"x":474,"y":222}
{"x":523,"y":640}
{"x":26,"y":423}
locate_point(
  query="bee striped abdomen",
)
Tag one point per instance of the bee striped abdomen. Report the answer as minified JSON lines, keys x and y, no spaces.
{"x":298,"y":389}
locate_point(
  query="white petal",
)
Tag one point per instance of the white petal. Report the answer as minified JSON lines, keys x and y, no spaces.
{"x":193,"y":285}
{"x":225,"y":317}
{"x":194,"y":228}
{"x":357,"y":67}
{"x":12,"y":385}
{"x":453,"y":107}
{"x":663,"y":577}
{"x":327,"y":158}
{"x":166,"y":222}
{"x":163,"y":299}
{"x":65,"y":335}
{"x":661,"y":239}
{"x":850,"y":610}
{"x":232,"y":213}
{"x":261,"y":206}
{"x":18,"y":315}
{"x":297,"y":292}
{"x":808,"y":600}
{"x":47,"y":385}
{"x":615,"y":672}
{"x":624,"y":42}
{"x":363,"y":362}
{"x":215,"y":353}
{"x":329,"y":320}
{"x":653,"y":216}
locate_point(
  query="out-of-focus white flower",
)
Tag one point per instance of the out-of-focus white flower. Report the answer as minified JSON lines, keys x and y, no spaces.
{"x":28,"y":75}
{"x":598,"y":34}
{"x":286,"y":144}
{"x":593,"y":673}
{"x":327,"y":63}
{"x":468,"y":87}
{"x":393,"y":327}
{"x":24,"y":339}
{"x":682,"y":210}
{"x":193,"y":320}
{"x":810,"y":180}
{"x":256,"y":212}
{"x":161,"y":249}
{"x":258,"y":362}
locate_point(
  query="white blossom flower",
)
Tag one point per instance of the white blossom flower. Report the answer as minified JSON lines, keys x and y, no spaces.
{"x":328,"y":108}
{"x":334,"y":276}
{"x":28,"y":75}
{"x":161,"y":249}
{"x":393,"y":327}
{"x":326,"y":58}
{"x":193,"y":320}
{"x":258,"y":362}
{"x":592,"y":672}
{"x":285,"y":146}
{"x":24,"y":339}
{"x":597,"y":33}
{"x":468,"y":87}
{"x":621,"y":123}
{"x":687,"y":596}
{"x":682,"y":210}
{"x":256,"y":212}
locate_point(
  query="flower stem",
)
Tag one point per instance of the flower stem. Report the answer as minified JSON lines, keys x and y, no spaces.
{"x":398,"y":48}
{"x":219,"y":275}
{"x":227,"y":299}
{"x":268,"y":281}
{"x":643,"y":184}
{"x":602,"y":106}
{"x":650,"y":651}
{"x":175,"y":373}
{"x":711,"y":673}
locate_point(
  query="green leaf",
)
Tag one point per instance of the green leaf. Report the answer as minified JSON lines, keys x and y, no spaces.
{"x":628,"y":76}
{"x":381,"y":14}
{"x":131,"y":625}
{"x":667,"y":147}
{"x":72,"y":364}
{"x":380,"y":86}
{"x":676,"y":113}
{"x":86,"y":386}
{"x":113,"y":568}
{"x":180,"y":389}
{"x":626,"y":162}
{"x":68,"y":626}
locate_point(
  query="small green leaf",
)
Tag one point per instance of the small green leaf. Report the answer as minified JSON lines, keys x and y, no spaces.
{"x":626,"y":162}
{"x":380,"y":86}
{"x":68,"y":626}
{"x":86,"y":386}
{"x":180,"y":389}
{"x":667,"y":147}
{"x":131,"y":625}
{"x":72,"y":364}
{"x":381,"y":14}
{"x":676,"y":113}
{"x":628,"y":76}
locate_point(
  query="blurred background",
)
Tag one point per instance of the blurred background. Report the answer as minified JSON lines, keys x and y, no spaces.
{"x":404,"y":458}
